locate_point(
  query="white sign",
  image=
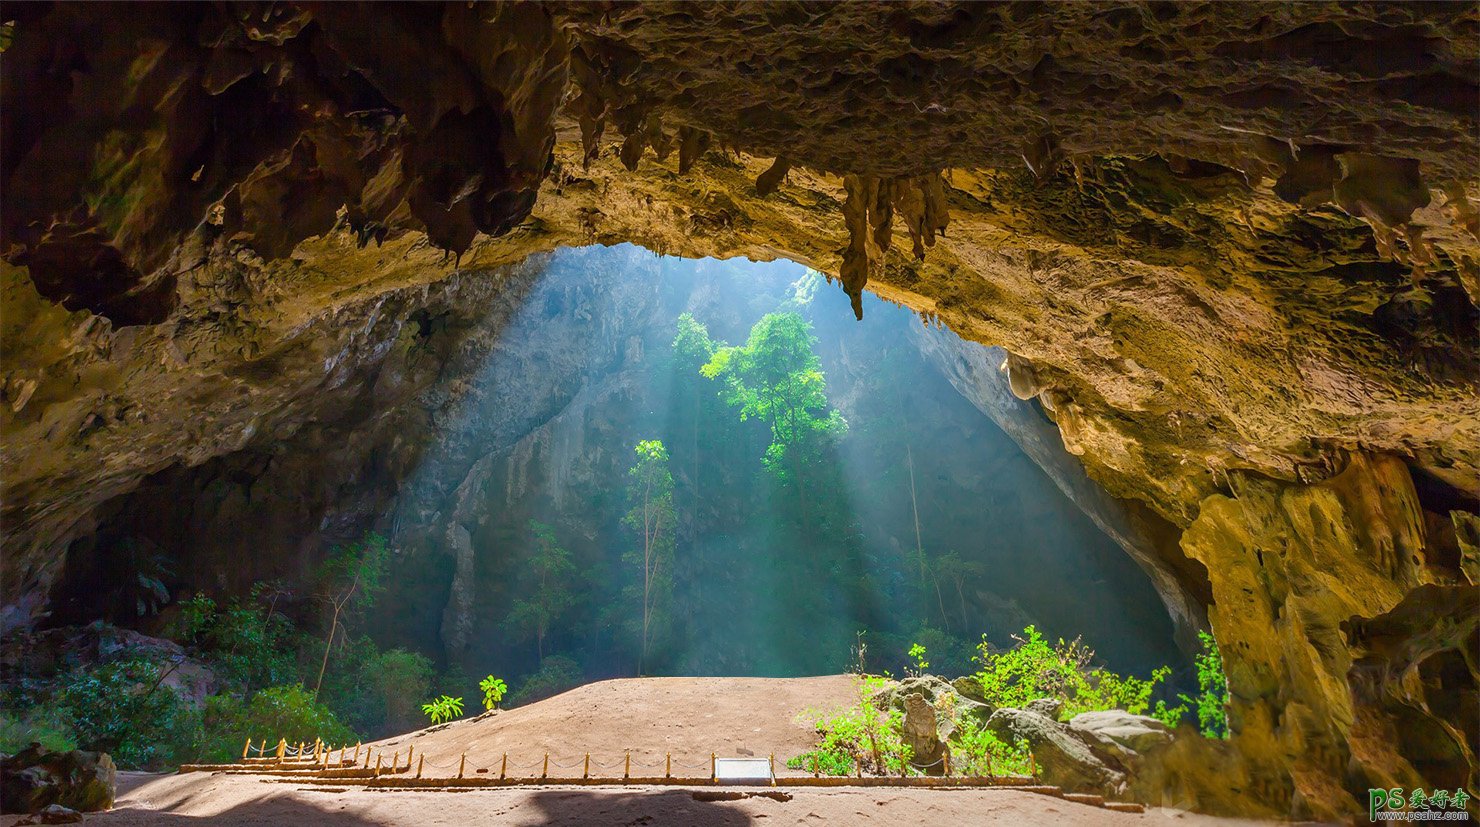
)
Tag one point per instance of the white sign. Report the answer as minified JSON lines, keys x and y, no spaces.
{"x":742,"y":770}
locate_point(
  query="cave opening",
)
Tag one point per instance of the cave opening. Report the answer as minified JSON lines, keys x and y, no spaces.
{"x":902,"y":511}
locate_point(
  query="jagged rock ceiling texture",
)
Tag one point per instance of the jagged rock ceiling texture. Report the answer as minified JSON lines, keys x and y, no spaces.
{"x":1231,"y":248}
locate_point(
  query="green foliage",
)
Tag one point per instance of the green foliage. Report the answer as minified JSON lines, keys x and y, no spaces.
{"x":919,"y":664}
{"x":1035,"y":669}
{"x":349,"y":582}
{"x":123,"y":708}
{"x":245,"y":643}
{"x":556,"y":674}
{"x":691,"y":344}
{"x":1212,"y":698}
{"x":548,"y":578}
{"x":976,"y":750}
{"x":444,"y":708}
{"x":397,"y":677}
{"x":45,"y":725}
{"x":652,"y":518}
{"x":776,"y":377}
{"x":354,"y":575}
{"x":493,"y":691}
{"x":859,"y":736}
{"x":289,"y":712}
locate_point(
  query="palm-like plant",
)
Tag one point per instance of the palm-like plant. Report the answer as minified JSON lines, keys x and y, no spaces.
{"x":444,"y":708}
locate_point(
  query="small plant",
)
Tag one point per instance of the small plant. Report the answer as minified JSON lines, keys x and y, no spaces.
{"x":444,"y":708}
{"x":1212,"y":699}
{"x":493,"y":691}
{"x":920,"y":664}
{"x":977,"y":750}
{"x":859,"y":738}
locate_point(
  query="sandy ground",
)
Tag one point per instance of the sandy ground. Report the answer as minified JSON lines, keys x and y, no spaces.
{"x":651,"y":717}
{"x":199,"y":799}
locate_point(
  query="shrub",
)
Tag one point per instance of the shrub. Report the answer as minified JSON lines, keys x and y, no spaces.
{"x":1034,"y":669}
{"x":556,"y":674}
{"x":977,"y":750}
{"x":40,"y":724}
{"x":398,"y":678}
{"x":122,"y":708}
{"x":289,"y":712}
{"x":857,"y":738}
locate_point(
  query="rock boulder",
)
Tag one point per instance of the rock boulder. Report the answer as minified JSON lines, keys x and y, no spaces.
{"x":36,"y":778}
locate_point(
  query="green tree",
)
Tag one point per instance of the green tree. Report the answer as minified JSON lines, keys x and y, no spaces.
{"x":776,"y":377}
{"x":549,"y":573}
{"x":349,"y":583}
{"x":692,"y":349}
{"x":399,"y":677}
{"x":652,"y":517}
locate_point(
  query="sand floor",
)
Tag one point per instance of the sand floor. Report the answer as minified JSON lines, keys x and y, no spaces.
{"x":199,"y":799}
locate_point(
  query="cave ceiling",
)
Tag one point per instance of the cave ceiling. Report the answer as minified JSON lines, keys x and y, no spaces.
{"x":1214,"y":236}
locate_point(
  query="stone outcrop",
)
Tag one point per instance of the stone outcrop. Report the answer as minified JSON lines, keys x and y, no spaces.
{"x":36,"y":778}
{"x":1062,"y":756}
{"x":1231,"y":249}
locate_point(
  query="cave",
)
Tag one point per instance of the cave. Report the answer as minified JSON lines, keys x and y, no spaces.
{"x":1171,"y":308}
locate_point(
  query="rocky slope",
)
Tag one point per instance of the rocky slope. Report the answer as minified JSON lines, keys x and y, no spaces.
{"x":1231,"y":248}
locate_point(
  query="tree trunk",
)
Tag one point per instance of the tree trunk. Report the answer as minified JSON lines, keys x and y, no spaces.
{"x":915,"y":507}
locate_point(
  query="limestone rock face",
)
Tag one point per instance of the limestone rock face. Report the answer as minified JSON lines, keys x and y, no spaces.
{"x":1125,"y":735}
{"x":1063,"y":758}
{"x":1232,"y":250}
{"x":1342,"y":618}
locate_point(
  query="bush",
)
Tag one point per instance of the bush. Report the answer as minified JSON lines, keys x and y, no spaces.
{"x":556,"y":674}
{"x":43,"y":725}
{"x":857,"y":738}
{"x":977,"y":750}
{"x":288,"y":712}
{"x":1033,"y":669}
{"x":122,"y":708}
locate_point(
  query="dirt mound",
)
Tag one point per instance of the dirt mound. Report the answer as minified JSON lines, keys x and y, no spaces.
{"x":651,"y":718}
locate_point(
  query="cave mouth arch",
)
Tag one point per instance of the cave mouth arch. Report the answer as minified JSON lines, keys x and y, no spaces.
{"x":529,"y":392}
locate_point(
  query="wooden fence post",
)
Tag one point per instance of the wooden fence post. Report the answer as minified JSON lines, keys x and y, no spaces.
{"x":462,"y":764}
{"x":282,"y":749}
{"x":377,"y":763}
{"x":357,"y":752}
{"x":712,"y":773}
{"x":948,"y":763}
{"x":396,"y":761}
{"x":545,"y":773}
{"x":627,"y":770}
{"x":668,"y":766}
{"x":586,"y":773}
{"x":503,"y":767}
{"x":409,"y":750}
{"x":772,"y":765}
{"x":1032,"y":765}
{"x":246,"y":749}
{"x":419,"y":765}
